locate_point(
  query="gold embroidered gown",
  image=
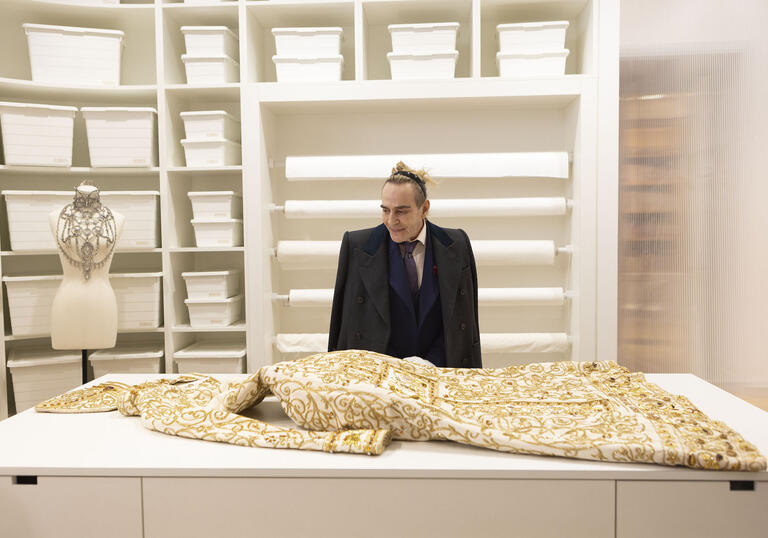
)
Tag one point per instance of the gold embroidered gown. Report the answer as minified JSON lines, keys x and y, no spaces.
{"x":357,"y":401}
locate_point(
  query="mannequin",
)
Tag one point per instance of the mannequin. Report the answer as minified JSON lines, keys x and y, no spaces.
{"x":84,"y":311}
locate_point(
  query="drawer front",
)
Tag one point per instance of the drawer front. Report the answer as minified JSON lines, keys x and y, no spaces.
{"x":349,"y":507}
{"x":694,"y":508}
{"x":71,"y":506}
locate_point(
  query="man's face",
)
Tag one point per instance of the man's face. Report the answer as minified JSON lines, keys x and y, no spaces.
{"x":399,"y":212}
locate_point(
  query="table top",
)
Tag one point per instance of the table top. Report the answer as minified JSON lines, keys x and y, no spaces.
{"x":110,"y":444}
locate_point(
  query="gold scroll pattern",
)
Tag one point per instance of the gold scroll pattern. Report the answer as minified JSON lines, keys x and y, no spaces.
{"x":357,"y":401}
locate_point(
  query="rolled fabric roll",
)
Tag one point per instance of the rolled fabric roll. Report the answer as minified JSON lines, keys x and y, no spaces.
{"x":550,"y":164}
{"x":310,"y":297}
{"x":521,"y":296}
{"x":301,"y":342}
{"x":450,"y":207}
{"x":486,"y":297}
{"x":324,"y":254}
{"x":524,"y":342}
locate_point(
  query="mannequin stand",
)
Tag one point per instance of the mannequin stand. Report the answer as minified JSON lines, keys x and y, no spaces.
{"x":85,"y":366}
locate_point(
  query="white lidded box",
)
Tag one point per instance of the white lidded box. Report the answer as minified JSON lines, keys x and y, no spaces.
{"x":423,"y":37}
{"x":214,"y":312}
{"x":210,"y":124}
{"x":210,"y":69}
{"x":211,"y":358}
{"x":136,"y":358}
{"x":308,"y":68}
{"x":211,"y":152}
{"x":218,"y":232}
{"x":413,"y":66}
{"x":541,"y":36}
{"x":37,"y":135}
{"x":212,"y":284}
{"x":121,"y":136}
{"x":71,"y":55}
{"x":42,"y":373}
{"x":531,"y":63}
{"x":210,"y":41}
{"x":318,"y":41}
{"x":211,"y":205}
{"x":138,"y":300}
{"x":30,"y":299}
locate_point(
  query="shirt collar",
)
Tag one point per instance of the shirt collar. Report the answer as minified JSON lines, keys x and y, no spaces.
{"x":422,"y":237}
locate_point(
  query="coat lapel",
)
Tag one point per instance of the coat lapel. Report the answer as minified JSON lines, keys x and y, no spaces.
{"x":448,"y":269}
{"x":372,"y":265}
{"x":398,"y":278}
{"x":429,"y":285}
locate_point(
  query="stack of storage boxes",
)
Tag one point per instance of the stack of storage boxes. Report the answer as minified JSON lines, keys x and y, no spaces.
{"x":531,"y":49}
{"x":212,"y":298}
{"x":210,"y":55}
{"x":308,"y":54}
{"x":217,"y":218}
{"x":423,"y":51}
{"x":212,"y":138}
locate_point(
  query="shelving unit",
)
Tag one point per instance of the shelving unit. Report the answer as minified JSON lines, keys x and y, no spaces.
{"x":365,"y":113}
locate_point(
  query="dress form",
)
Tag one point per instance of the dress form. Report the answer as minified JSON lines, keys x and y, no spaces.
{"x":84,"y":311}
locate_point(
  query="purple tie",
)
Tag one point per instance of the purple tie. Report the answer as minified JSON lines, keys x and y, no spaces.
{"x":410,"y":266}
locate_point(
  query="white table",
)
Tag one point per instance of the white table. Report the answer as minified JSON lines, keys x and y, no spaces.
{"x":91,"y":474}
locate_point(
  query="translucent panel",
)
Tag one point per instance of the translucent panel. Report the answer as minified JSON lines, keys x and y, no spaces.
{"x":693,"y":259}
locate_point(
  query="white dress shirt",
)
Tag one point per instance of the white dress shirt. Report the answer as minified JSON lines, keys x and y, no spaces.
{"x":418,"y":251}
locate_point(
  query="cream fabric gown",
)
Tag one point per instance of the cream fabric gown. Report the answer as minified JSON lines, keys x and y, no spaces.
{"x":357,"y":401}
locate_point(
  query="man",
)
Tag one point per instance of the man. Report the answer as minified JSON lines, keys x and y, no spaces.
{"x":407,"y":287}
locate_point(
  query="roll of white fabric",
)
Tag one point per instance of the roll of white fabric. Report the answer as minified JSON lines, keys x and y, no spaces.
{"x":310,"y":297}
{"x":524,"y":342}
{"x":521,"y":296}
{"x":451,"y":207}
{"x":324,"y":254}
{"x":301,"y":342}
{"x":486,"y":297}
{"x":550,"y":164}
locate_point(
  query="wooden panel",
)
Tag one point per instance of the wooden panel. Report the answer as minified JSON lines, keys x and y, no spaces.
{"x":342,"y":507}
{"x":71,"y":506}
{"x":696,"y":509}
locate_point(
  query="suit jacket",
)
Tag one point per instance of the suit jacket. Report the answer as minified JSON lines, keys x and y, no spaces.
{"x":360,"y":317}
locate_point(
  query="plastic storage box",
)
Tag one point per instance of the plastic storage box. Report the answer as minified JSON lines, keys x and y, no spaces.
{"x":210,"y":124}
{"x":37,"y":135}
{"x":211,"y":358}
{"x":218,"y":232}
{"x":423,"y":37}
{"x":211,"y":152}
{"x":438,"y":65}
{"x":41,"y":373}
{"x":525,"y":36}
{"x":212,"y":284}
{"x":30,"y":299}
{"x":325,"y":41}
{"x":121,"y":136}
{"x":70,"y":55}
{"x":308,"y":69}
{"x":214,"y":312}
{"x":531,"y":63}
{"x":210,"y":41}
{"x":130,"y":359}
{"x":211,"y":69}
{"x":138,"y":300}
{"x":140,"y":209}
{"x":212,"y":205}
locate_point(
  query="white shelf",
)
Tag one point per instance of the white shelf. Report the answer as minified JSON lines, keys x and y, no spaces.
{"x":235,"y":327}
{"x":40,"y":91}
{"x":191,"y":170}
{"x":206,"y":249}
{"x":76,"y":170}
{"x":12,"y":338}
{"x":9,"y":253}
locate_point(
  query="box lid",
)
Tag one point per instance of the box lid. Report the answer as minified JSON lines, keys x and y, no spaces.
{"x":136,"y":275}
{"x":421,"y":55}
{"x":41,"y":356}
{"x":211,"y":350}
{"x":88,"y":109}
{"x":307,"y":59}
{"x":308,"y":30}
{"x":204,"y":194}
{"x":195,"y":57}
{"x":214,"y":221}
{"x":71,"y":30}
{"x":8,"y":104}
{"x":31,"y":278}
{"x":204,"y":113}
{"x":193,"y":274}
{"x":129,"y":193}
{"x":235,"y":299}
{"x":207,"y":30}
{"x":423,"y":26}
{"x":129,"y":351}
{"x":193,"y":141}
{"x":71,"y":193}
{"x":532,"y":25}
{"x":539,"y":53}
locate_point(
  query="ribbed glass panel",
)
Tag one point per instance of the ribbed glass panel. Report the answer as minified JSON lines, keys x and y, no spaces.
{"x":693,"y":197}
